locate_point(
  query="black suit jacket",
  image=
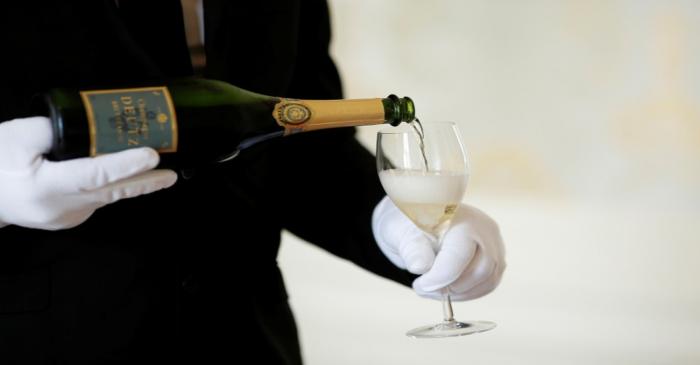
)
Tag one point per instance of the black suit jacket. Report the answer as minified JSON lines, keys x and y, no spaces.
{"x":175,"y":276}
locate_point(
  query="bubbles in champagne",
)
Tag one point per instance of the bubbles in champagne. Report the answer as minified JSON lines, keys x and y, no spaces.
{"x":429,"y":199}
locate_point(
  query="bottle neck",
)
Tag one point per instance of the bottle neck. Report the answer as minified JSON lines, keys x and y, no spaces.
{"x":398,"y":110}
{"x":309,"y":115}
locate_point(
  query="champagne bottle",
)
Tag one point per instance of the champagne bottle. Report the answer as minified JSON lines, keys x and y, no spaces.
{"x":198,"y":121}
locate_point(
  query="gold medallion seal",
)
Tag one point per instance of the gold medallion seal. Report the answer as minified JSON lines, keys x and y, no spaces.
{"x":289,"y":112}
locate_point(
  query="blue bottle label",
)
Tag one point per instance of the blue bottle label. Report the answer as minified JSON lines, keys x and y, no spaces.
{"x":120,"y":119}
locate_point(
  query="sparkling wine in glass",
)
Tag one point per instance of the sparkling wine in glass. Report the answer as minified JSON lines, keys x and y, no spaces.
{"x":425,"y":171}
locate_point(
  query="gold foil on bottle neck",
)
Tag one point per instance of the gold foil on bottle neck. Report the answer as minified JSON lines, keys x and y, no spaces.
{"x":308,"y":115}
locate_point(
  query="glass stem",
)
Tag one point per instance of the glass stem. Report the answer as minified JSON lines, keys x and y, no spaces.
{"x":447,"y":313}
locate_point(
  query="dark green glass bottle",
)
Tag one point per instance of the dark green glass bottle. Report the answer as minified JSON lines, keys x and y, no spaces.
{"x":197,"y":121}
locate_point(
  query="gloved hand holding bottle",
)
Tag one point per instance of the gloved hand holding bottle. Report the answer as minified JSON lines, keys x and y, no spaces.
{"x":42,"y":194}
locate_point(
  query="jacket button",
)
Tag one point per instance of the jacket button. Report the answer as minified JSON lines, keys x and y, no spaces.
{"x":190,"y":285}
{"x":187,"y":174}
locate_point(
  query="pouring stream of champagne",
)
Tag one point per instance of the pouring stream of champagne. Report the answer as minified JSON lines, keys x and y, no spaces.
{"x":418,"y":128}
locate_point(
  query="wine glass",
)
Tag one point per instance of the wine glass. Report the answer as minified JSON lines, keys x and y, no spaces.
{"x":424,"y":171}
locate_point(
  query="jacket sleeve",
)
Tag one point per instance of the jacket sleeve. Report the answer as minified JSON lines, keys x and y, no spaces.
{"x":327,"y":188}
{"x":321,"y":186}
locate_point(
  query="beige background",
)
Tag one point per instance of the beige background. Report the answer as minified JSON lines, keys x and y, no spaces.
{"x":582,"y":119}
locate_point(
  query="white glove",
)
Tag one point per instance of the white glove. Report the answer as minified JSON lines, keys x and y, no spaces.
{"x":42,"y":194}
{"x":470,"y":261}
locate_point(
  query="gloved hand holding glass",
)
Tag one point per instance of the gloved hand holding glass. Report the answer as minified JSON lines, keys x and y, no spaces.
{"x":425,"y":228}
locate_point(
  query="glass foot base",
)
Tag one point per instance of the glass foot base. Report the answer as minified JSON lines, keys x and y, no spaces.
{"x":450,"y":329}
